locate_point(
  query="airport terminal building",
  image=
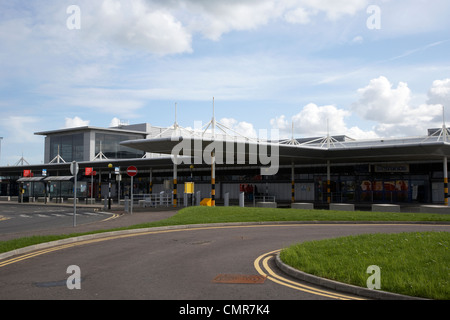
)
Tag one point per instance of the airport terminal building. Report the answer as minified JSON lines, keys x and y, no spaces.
{"x":332,"y":169}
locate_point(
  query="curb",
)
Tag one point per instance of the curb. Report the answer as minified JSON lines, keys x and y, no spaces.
{"x":340,"y":286}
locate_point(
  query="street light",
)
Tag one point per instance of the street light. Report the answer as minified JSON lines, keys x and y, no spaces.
{"x":109,"y":187}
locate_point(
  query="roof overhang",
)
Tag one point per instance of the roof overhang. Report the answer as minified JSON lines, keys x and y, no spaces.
{"x":89,"y":128}
{"x":97,"y":165}
{"x":351,"y":152}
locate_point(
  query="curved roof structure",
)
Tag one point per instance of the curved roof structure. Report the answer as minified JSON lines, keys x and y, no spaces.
{"x":381,"y":150}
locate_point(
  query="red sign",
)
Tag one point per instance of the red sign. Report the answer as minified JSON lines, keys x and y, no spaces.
{"x":132,"y":171}
{"x":88,"y":171}
{"x":27,"y":173}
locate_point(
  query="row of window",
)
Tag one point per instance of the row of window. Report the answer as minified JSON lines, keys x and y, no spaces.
{"x":71,"y":147}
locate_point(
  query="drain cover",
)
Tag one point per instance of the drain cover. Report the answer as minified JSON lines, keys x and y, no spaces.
{"x":239,"y":278}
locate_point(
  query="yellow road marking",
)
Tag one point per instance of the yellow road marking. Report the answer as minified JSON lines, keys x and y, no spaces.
{"x":271,"y":275}
{"x":111,"y":218}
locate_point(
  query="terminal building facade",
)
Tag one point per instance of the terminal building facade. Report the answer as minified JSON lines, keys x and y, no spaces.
{"x":318,"y":170}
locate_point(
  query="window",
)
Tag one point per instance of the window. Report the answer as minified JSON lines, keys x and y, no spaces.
{"x":70,"y":147}
{"x":109,"y":144}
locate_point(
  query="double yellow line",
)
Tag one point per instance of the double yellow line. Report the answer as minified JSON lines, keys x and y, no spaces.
{"x":261,"y":264}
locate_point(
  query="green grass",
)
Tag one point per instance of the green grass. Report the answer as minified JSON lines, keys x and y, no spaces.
{"x":238,"y":214}
{"x":199,"y":215}
{"x":414,"y":264}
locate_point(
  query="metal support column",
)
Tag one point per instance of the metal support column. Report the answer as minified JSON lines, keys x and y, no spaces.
{"x":175,"y":168}
{"x":213,"y":179}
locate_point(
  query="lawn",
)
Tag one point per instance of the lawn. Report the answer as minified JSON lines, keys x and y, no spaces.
{"x":414,"y":264}
{"x":237,"y":214}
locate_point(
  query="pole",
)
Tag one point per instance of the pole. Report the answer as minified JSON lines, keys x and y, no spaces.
{"x":213,"y":179}
{"x":75,"y":200}
{"x":92,"y":185}
{"x":175,"y":168}
{"x":119,"y":177}
{"x":109,"y":187}
{"x":132,"y":187}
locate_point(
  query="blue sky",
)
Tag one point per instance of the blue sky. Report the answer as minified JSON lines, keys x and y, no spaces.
{"x":267,"y":63}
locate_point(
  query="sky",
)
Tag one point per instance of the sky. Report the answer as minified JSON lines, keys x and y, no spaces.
{"x":362,"y":68}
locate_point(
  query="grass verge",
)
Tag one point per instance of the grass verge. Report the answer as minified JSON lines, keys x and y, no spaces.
{"x":415,"y":264}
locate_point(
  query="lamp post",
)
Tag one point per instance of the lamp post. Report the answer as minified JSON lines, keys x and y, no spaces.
{"x":109,"y":186}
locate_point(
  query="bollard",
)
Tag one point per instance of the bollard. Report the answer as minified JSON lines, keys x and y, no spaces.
{"x":127,"y":204}
{"x":226,"y":199}
{"x":198,"y":198}
{"x":241,"y":199}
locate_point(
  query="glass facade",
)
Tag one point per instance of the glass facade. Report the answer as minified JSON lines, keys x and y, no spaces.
{"x":109,"y":144}
{"x":70,"y":147}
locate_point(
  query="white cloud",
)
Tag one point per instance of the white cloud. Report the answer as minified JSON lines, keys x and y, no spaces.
{"x":298,"y":15}
{"x":392,"y":110}
{"x":357,"y":40}
{"x":242,"y":127}
{"x":137,"y":24}
{"x":317,"y":121}
{"x":280,"y":123}
{"x":358,"y":133}
{"x":439,"y":92}
{"x":380,"y":102}
{"x":20,"y":129}
{"x":212,"y":19}
{"x":115,"y":122}
{"x":389,"y":108}
{"x":335,"y":9}
{"x":315,"y":118}
{"x":76,"y":122}
{"x":406,"y":17}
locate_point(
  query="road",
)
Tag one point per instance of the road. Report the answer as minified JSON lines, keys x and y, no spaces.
{"x":177,"y":264}
{"x":19,"y":218}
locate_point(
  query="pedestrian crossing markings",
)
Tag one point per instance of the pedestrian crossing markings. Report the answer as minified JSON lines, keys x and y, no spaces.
{"x":49,"y":215}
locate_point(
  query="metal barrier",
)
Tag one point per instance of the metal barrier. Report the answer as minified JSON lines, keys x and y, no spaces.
{"x":263,"y":198}
{"x":154,"y":200}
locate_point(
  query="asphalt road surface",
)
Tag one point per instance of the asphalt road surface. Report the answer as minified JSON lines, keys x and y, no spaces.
{"x":19,"y":218}
{"x":177,"y":264}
